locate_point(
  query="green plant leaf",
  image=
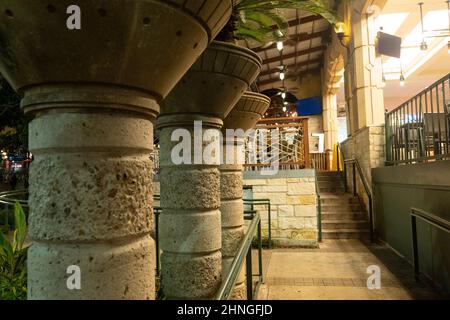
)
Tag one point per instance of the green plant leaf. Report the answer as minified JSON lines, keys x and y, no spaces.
{"x":21,"y":225}
{"x":262,"y":21}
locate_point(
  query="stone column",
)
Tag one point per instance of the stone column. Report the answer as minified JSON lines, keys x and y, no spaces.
{"x":366,"y":78}
{"x":330,"y":120}
{"x":243,"y":117}
{"x":190,"y":233}
{"x":232,"y":209}
{"x":93,"y":92}
{"x":190,"y":223}
{"x":91,"y":193}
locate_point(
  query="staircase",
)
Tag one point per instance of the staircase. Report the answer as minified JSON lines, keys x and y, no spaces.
{"x":343,"y":217}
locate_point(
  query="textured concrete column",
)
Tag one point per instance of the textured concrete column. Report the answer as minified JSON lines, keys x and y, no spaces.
{"x":232,"y":208}
{"x":244,"y":116}
{"x":190,"y":224}
{"x":92,"y":94}
{"x":190,"y":189}
{"x":91,"y":192}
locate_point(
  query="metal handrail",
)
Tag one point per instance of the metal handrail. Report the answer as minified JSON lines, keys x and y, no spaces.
{"x":419,"y":129}
{"x":225,"y":291}
{"x":263,"y":202}
{"x":7,"y":197}
{"x":244,"y":252}
{"x":431,"y":219}
{"x":357,"y":167}
{"x":319,"y":204}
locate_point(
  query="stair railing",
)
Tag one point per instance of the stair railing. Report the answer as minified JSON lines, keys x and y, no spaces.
{"x":319,"y":204}
{"x":243,"y":255}
{"x":356,"y":168}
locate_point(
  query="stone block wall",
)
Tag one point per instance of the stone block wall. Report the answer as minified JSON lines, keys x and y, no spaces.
{"x":368,"y":145}
{"x":293,"y":201}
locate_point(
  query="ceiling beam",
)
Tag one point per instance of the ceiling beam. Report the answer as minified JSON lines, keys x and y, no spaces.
{"x":301,"y":73}
{"x":294,"y":54}
{"x":303,"y":20}
{"x":299,"y":64}
{"x":298,"y":38}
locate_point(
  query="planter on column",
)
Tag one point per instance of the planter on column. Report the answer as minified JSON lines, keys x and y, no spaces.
{"x":93,"y":94}
{"x":190,"y":227}
{"x":246,"y":113}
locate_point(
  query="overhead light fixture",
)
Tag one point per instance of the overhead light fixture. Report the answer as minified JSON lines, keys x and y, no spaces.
{"x":284,"y":109}
{"x":282,"y":73}
{"x":283,"y":95}
{"x":383,"y":81}
{"x":280,"y":45}
{"x":402,"y":80}
{"x":424,"y":46}
{"x":448,"y":11}
{"x":427,"y":34}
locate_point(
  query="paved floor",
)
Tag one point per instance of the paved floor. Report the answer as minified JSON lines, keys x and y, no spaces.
{"x":338,"y":271}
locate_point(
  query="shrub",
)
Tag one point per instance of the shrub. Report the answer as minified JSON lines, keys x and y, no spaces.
{"x":13,"y":256}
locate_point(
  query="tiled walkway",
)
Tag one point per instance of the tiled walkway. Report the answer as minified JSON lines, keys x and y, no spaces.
{"x":338,"y":271}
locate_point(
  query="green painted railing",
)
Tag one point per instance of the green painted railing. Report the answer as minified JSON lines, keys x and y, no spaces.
{"x":356,"y":168}
{"x":419,"y":130}
{"x":431,"y":219}
{"x":319,"y":204}
{"x":262,"y":202}
{"x":244,"y":253}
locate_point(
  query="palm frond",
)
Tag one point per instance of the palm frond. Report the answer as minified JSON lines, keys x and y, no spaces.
{"x":262,"y":21}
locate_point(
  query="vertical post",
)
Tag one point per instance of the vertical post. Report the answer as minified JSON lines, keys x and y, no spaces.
{"x":338,"y":164}
{"x":415,"y":247}
{"x":260,"y":262}
{"x":388,"y":137}
{"x":319,"y":217}
{"x":372,"y":236}
{"x":344,"y":171}
{"x":158,"y":264}
{"x":354,"y":179}
{"x":270,"y":225}
{"x":306,"y":143}
{"x":249,"y":274}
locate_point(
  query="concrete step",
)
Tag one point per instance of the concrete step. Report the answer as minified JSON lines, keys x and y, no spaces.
{"x":330,"y":178}
{"x":345,"y":224}
{"x":329,"y":173}
{"x":340,"y":190}
{"x":331,"y":184}
{"x":345,"y":234}
{"x":341,"y":207}
{"x":337,"y":199}
{"x":355,"y":216}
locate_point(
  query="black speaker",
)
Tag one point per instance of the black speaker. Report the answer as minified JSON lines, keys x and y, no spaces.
{"x":389,"y":45}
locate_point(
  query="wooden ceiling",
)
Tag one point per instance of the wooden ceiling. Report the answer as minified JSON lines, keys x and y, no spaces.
{"x":303,"y":51}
